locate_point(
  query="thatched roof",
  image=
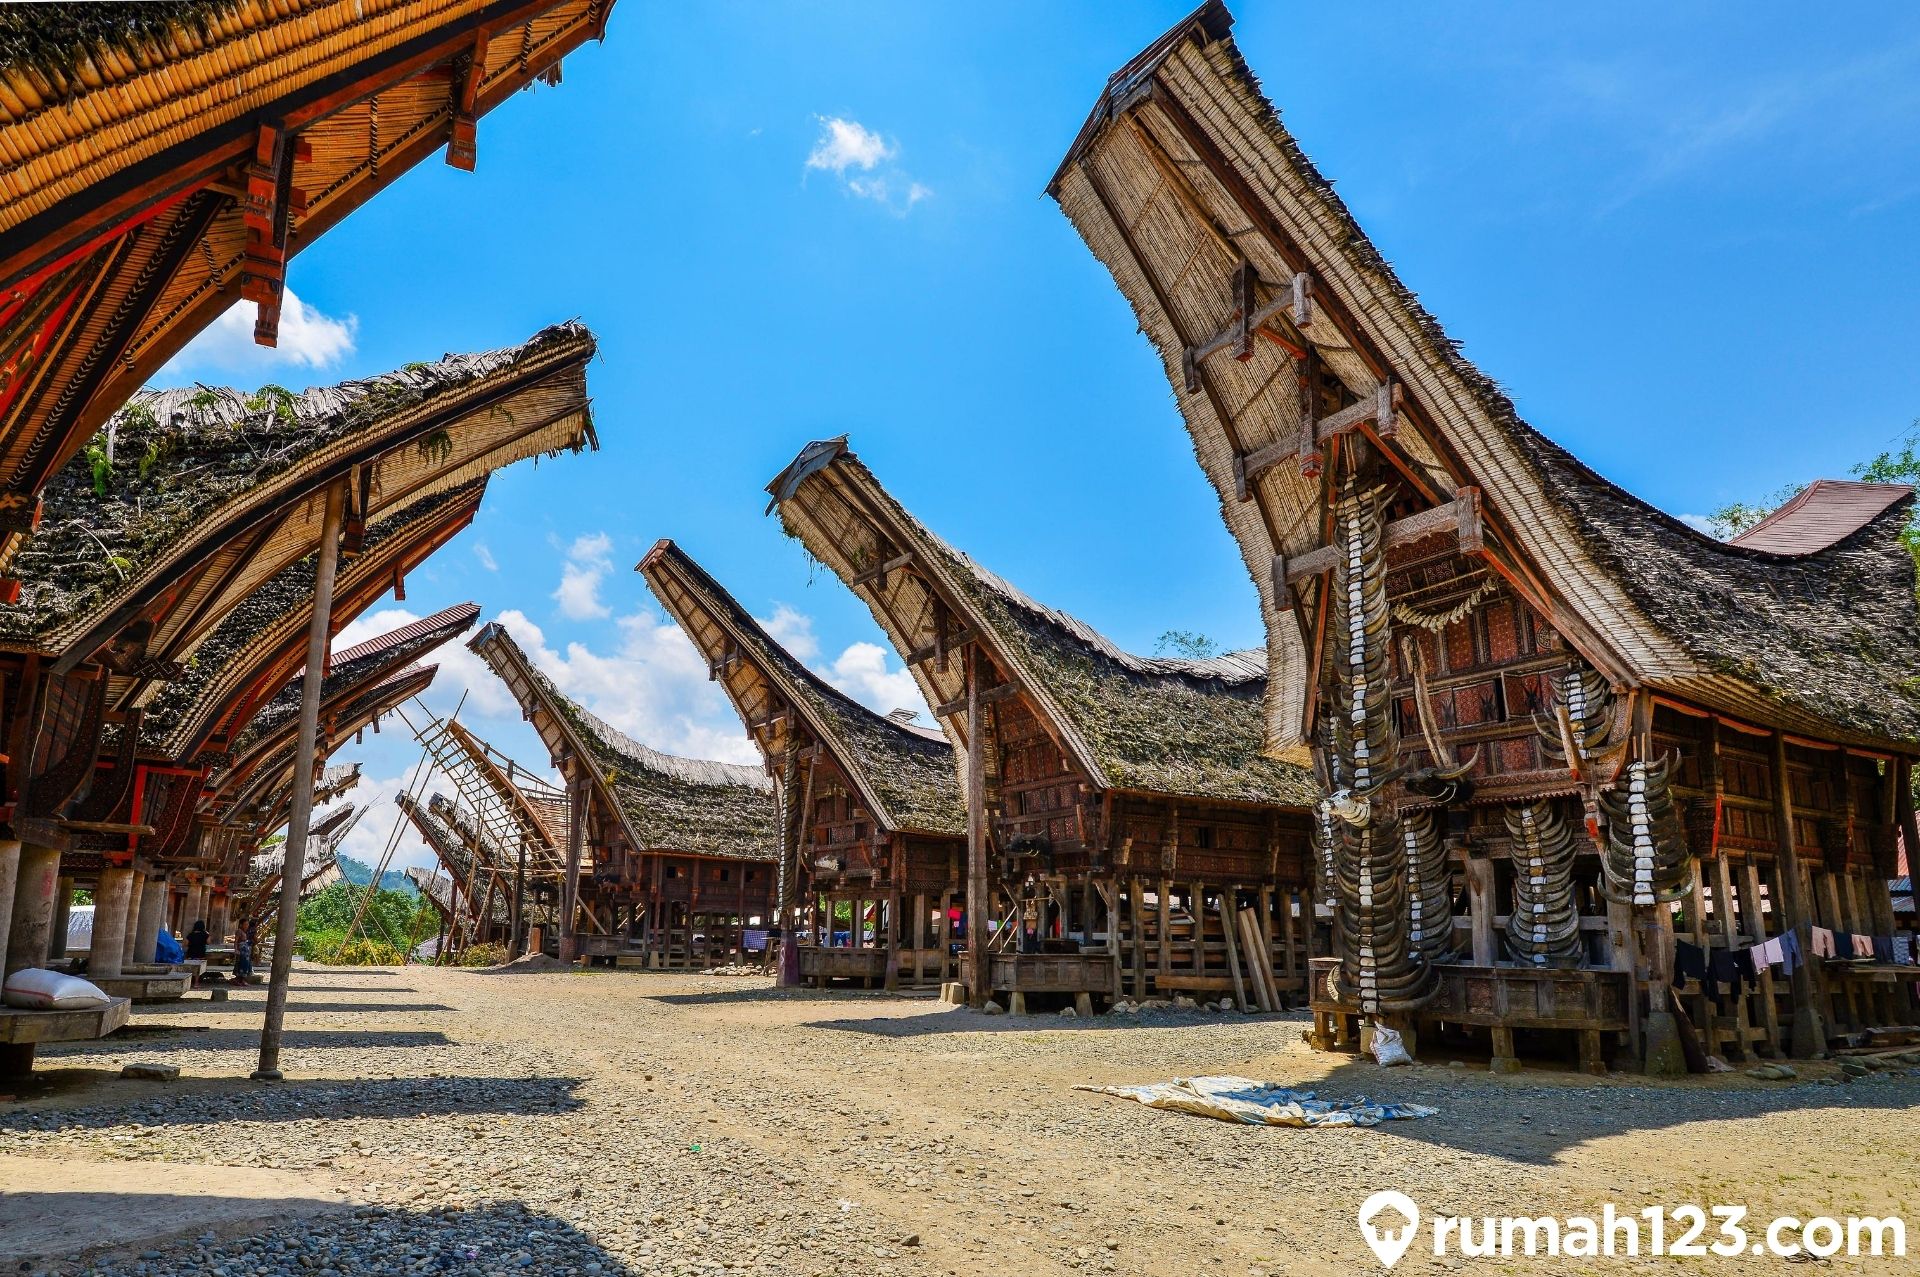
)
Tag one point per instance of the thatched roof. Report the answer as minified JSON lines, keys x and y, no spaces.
{"x":269,"y":624}
{"x":196,"y":475}
{"x":663,"y":802}
{"x":121,"y":235}
{"x":905,"y":774}
{"x":1150,"y":724}
{"x":357,"y":669}
{"x":1184,"y":172}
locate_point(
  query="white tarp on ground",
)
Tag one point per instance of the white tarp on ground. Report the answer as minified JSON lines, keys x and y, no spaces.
{"x":1241,"y":1099}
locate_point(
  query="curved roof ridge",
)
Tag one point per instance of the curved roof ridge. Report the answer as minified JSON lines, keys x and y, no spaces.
{"x":694,"y":771}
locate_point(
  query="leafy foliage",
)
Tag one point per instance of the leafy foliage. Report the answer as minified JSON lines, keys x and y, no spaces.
{"x":483,"y":955}
{"x":1730,"y":520}
{"x":392,"y":921}
{"x":1187,"y":643}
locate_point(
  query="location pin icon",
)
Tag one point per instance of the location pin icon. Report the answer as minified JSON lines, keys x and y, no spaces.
{"x":1388,"y":1245}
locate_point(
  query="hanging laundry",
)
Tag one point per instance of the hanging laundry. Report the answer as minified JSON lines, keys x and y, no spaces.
{"x":1862,"y":946}
{"x":1790,"y":955}
{"x":1843,"y":945}
{"x":1883,"y":949}
{"x":1768,"y":954}
{"x":1689,"y":961}
{"x":1823,"y":943}
{"x":1903,"y":950}
{"x":1723,"y":968}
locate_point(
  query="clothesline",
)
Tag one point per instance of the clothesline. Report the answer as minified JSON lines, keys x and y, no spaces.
{"x":1715,"y":968}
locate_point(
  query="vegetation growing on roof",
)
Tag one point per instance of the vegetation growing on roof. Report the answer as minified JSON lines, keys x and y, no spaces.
{"x":54,"y":39}
{"x":170,"y":458}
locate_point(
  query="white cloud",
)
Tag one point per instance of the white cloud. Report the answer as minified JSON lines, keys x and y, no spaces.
{"x":308,"y":339}
{"x":589,"y":559}
{"x":855,"y":153}
{"x":793,"y":630}
{"x":861,"y":672}
{"x":846,"y":144}
{"x":482,"y":553}
{"x":1699,"y":523}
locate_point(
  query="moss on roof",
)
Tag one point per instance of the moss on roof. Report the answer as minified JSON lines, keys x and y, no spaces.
{"x":1154,"y":724}
{"x":172,"y":459}
{"x":287,"y":591}
{"x":675,"y":804}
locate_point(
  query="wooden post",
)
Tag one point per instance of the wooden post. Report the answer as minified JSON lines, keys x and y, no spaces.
{"x":1227,"y":919}
{"x":1809,"y":1032}
{"x":1480,"y":906}
{"x":576,"y":845}
{"x":300,"y":813}
{"x":1757,"y":932}
{"x":977,"y":907}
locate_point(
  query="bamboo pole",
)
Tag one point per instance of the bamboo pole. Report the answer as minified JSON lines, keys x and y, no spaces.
{"x":293,"y":868}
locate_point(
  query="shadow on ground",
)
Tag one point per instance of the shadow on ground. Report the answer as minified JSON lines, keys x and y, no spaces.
{"x":98,"y":1103}
{"x":150,"y":1037}
{"x":765,"y":993}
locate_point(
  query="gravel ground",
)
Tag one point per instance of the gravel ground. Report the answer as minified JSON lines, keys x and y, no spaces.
{"x":633,"y":1123}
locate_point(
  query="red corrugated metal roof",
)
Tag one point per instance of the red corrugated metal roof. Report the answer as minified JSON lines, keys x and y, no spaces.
{"x":455,"y":618}
{"x":1825,"y":512}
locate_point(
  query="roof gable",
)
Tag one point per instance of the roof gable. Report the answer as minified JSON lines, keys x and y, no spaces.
{"x":1185,"y":183}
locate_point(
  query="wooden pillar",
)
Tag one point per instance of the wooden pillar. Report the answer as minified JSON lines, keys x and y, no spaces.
{"x":9,"y":879}
{"x":576,"y":842}
{"x":62,"y":917}
{"x":132,"y":927}
{"x":1757,"y":932}
{"x":1809,"y":1032}
{"x":300,"y":813}
{"x":977,"y":906}
{"x":1480,"y":908}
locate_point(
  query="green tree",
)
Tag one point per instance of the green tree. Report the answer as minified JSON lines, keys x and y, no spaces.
{"x":1187,"y":643}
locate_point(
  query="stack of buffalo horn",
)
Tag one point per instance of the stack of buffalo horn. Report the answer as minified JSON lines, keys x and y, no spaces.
{"x":1543,"y":929}
{"x":1646,"y":860}
{"x":1380,"y":970}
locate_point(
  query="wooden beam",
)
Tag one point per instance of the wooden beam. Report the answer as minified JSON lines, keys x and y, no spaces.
{"x":1460,"y":516}
{"x":1381,"y":407}
{"x":463,"y":144}
{"x":990,"y":696}
{"x":879,"y":573}
{"x":939,"y":649}
{"x":1295,"y":297}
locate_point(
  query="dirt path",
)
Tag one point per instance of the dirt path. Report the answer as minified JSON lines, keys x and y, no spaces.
{"x":683,"y":1124}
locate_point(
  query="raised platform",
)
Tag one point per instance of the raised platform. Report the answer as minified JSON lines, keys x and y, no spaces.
{"x":163,"y":985}
{"x":1584,"y":1001}
{"x":21,"y":1031}
{"x":820,"y":962}
{"x":1024,"y":973}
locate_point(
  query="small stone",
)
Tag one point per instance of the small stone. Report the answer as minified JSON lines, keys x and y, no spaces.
{"x":152,"y":1072}
{"x":911,"y":1239}
{"x":993,"y":1008}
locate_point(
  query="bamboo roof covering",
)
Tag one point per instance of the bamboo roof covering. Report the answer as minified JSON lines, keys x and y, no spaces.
{"x":252,"y":653}
{"x":158,"y":163}
{"x":325,"y":834}
{"x":260,"y":793}
{"x":905,"y":775}
{"x":660,"y":802}
{"x":1146,"y":724}
{"x":1183,"y":174}
{"x":210,"y":492}
{"x":349,"y":674}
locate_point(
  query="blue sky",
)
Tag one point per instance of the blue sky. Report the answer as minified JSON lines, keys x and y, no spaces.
{"x":1681,"y":235}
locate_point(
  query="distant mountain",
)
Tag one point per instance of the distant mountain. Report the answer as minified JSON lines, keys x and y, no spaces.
{"x":360,"y":873}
